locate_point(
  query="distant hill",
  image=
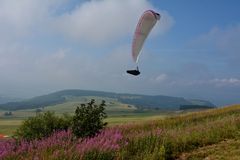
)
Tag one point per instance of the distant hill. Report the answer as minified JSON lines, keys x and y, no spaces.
{"x":140,"y":101}
{"x":189,"y":107}
{"x":5,"y":99}
{"x":201,"y":102}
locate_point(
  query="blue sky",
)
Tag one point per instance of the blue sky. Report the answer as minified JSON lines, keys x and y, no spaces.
{"x":192,"y":52}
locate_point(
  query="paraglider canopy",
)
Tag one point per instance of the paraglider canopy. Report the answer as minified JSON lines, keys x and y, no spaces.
{"x":145,"y":24}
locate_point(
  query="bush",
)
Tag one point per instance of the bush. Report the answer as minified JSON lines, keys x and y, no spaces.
{"x":88,"y":119}
{"x":43,"y":125}
{"x":8,"y":113}
{"x":87,"y":122}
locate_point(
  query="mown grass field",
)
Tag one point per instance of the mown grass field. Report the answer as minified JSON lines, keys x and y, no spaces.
{"x":117,"y":113}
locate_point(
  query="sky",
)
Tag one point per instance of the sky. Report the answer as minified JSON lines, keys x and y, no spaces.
{"x":192,"y":52}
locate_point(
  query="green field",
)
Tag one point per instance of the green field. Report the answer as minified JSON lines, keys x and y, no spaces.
{"x":117,"y":113}
{"x":210,"y":134}
{"x":9,"y":125}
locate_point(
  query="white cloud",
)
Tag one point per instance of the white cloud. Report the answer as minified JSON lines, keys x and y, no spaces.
{"x":224,"y":40}
{"x":221,"y":55}
{"x":103,"y":21}
{"x":33,"y":58}
{"x":225,"y":82}
{"x":161,"y":78}
{"x":21,"y":17}
{"x":94,"y":21}
{"x":215,"y":82}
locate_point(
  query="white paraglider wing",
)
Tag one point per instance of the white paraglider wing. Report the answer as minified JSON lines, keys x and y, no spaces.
{"x":144,"y":26}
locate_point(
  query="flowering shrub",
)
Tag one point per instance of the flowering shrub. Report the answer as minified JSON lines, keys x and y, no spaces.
{"x":63,"y":144}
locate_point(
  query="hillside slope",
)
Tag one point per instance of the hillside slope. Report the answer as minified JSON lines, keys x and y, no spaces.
{"x":140,"y":101}
{"x":4,"y":99}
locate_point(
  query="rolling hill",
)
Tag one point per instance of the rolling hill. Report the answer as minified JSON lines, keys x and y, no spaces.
{"x":139,"y":101}
{"x":5,"y":99}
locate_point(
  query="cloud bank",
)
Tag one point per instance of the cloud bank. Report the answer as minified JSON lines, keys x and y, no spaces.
{"x":59,"y":44}
{"x":42,"y":44}
{"x":101,"y":22}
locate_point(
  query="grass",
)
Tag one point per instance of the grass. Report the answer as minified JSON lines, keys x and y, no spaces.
{"x":211,"y":134}
{"x":8,"y":126}
{"x":113,"y":107}
{"x":185,"y":133}
{"x":225,"y":150}
{"x":133,"y":119}
{"x":117,"y":112}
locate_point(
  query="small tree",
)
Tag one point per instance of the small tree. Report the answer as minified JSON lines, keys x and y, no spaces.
{"x":88,"y":119}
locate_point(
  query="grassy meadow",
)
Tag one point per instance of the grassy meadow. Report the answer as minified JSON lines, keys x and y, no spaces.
{"x":210,"y":134}
{"x":117,"y":112}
